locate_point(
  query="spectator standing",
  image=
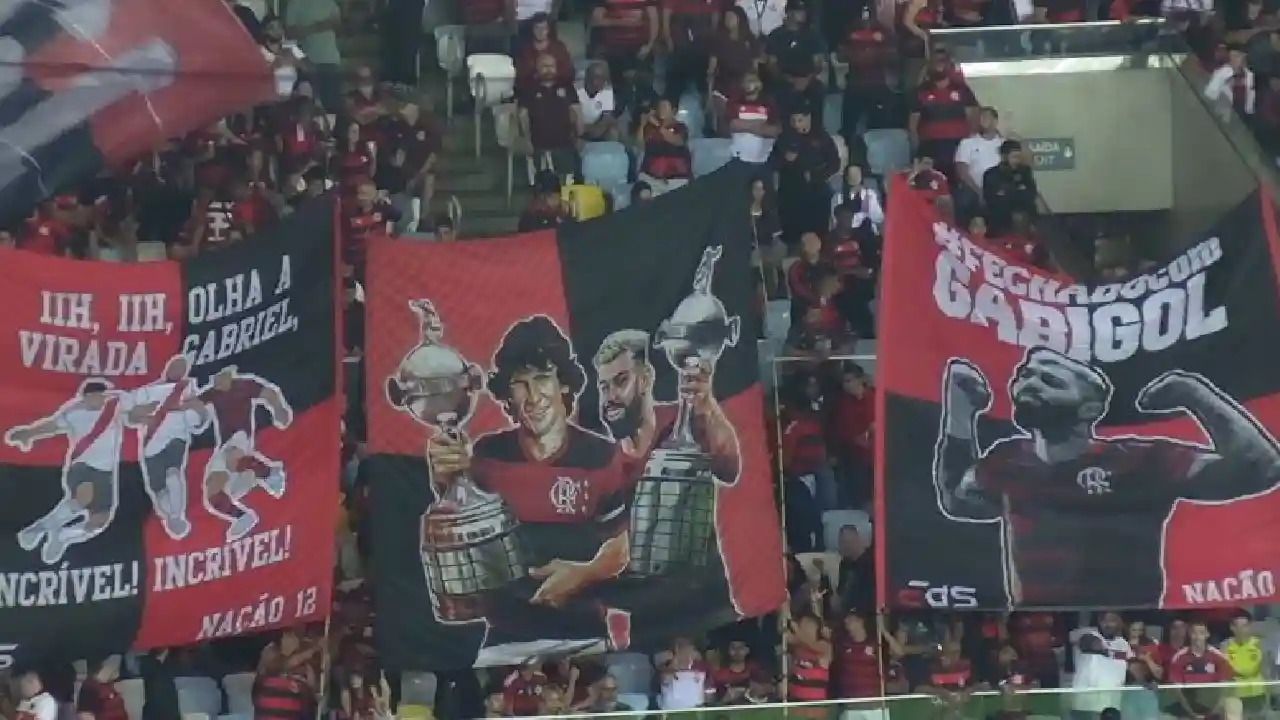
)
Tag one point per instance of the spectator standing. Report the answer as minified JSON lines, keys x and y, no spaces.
{"x":284,"y":688}
{"x":943,"y":113}
{"x":768,"y":251}
{"x":804,"y":460}
{"x":753,"y":126}
{"x":734,"y":53}
{"x":857,"y":665}
{"x":688,"y":28}
{"x":551,"y":118}
{"x":1102,"y":659}
{"x":1035,"y":636}
{"x":684,"y":679}
{"x":314,"y":24}
{"x":795,"y":45}
{"x":951,"y":678}
{"x":1244,"y":651}
{"x":623,"y":33}
{"x":37,"y":703}
{"x":372,"y":212}
{"x":667,"y":164}
{"x":799,"y":88}
{"x":598,"y":105}
{"x":809,"y":658}
{"x":159,"y":688}
{"x":1199,"y":663}
{"x":868,"y":210}
{"x":522,"y":690}
{"x":853,"y":251}
{"x":804,"y":157}
{"x":733,"y":678}
{"x":1145,"y":650}
{"x":542,"y":41}
{"x":763,"y":16}
{"x":977,"y":154}
{"x":285,"y":56}
{"x":1232,"y":87}
{"x":851,"y":435}
{"x":98,"y":698}
{"x":869,"y":52}
{"x":1008,"y":188}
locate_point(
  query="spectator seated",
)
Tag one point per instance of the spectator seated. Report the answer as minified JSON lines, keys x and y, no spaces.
{"x":709,"y":154}
{"x":666,"y":164}
{"x":598,"y":105}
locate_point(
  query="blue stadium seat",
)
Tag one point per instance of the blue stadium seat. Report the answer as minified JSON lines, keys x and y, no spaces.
{"x":604,"y":164}
{"x":692,"y":113}
{"x":632,"y":671}
{"x":887,"y":151}
{"x":833,"y":113}
{"x":621,"y":196}
{"x":199,"y":695}
{"x":709,"y":154}
{"x":636,"y":701}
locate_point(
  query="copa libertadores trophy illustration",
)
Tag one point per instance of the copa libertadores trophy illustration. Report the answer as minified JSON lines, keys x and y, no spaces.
{"x":469,"y":543}
{"x":673,"y":510}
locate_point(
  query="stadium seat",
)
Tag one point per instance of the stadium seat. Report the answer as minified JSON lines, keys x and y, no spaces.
{"x":888,"y":151}
{"x":236,"y":716}
{"x":633,"y":672}
{"x":621,"y":194}
{"x":133,"y":693}
{"x":239,"y":690}
{"x":833,"y":113}
{"x":636,"y":701}
{"x":691,"y":112}
{"x":709,"y":154}
{"x":451,"y":56}
{"x":834,"y":520}
{"x":777,"y":320}
{"x":491,"y":78}
{"x":604,"y":164}
{"x":418,"y":688}
{"x":199,"y":695}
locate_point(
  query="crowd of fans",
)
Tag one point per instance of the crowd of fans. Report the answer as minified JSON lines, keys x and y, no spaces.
{"x":761,"y":75}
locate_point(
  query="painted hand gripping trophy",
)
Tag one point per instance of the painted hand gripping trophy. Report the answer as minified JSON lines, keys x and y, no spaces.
{"x":469,"y":544}
{"x":673,"y":510}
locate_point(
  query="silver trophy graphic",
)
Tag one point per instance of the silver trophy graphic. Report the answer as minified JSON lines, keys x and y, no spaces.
{"x":673,"y":510}
{"x":469,"y":543}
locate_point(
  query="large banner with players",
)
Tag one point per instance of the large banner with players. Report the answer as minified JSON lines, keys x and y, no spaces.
{"x":567,"y":436}
{"x":168,"y":471}
{"x":1078,"y":444}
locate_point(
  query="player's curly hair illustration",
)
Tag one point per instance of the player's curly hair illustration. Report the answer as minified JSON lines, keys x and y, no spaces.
{"x":536,"y":343}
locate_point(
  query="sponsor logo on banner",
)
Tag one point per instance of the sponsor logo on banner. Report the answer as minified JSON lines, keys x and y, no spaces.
{"x":153,"y":439}
{"x":1087,"y":434}
{"x":922,"y":594}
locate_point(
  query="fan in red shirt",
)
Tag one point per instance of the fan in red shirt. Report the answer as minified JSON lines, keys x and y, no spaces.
{"x":1034,"y":635}
{"x":803,"y":450}
{"x":733,"y":678}
{"x":98,"y":697}
{"x":522,"y":690}
{"x":300,"y":137}
{"x":857,"y":662}
{"x":370,"y":213}
{"x":1146,"y":651}
{"x":366,"y":102}
{"x":1198,"y":663}
{"x":355,"y":161}
{"x":47,"y":232}
{"x":1175,"y":638}
{"x":851,"y":428}
{"x":542,"y":40}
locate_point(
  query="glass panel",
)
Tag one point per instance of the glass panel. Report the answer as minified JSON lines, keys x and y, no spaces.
{"x":1074,"y":40}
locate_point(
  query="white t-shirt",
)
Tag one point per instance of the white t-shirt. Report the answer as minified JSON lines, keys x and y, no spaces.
{"x":78,"y":421}
{"x":685,"y":689}
{"x":286,"y":75}
{"x":763,"y":16}
{"x":593,"y":108}
{"x":745,"y":146}
{"x":980,"y":154}
{"x":1100,"y":672}
{"x":526,"y":9}
{"x":40,"y":707}
{"x":176,"y":424}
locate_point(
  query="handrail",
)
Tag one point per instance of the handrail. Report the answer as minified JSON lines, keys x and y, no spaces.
{"x":887,"y":702}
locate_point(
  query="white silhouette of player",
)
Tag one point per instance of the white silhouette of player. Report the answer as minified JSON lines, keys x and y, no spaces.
{"x":94,"y":425}
{"x":167,"y":414}
{"x":236,"y":467}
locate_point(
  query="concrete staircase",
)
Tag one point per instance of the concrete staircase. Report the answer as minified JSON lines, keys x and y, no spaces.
{"x":479,"y":183}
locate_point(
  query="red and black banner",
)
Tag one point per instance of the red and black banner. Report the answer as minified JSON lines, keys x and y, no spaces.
{"x":567,"y":436}
{"x":1078,"y":444}
{"x":86,"y":84}
{"x":168,"y":471}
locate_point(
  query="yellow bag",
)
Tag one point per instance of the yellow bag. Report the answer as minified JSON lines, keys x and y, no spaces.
{"x":587,"y":201}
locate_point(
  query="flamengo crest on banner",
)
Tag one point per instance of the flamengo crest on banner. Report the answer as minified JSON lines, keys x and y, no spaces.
{"x":175,"y":434}
{"x":1073,"y":419}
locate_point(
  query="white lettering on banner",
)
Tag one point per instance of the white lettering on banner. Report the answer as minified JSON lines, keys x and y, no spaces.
{"x":1258,"y":585}
{"x":69,"y":586}
{"x":268,"y":611}
{"x":1107,"y":323}
{"x":219,"y":303}
{"x":56,"y":352}
{"x":172,"y":572}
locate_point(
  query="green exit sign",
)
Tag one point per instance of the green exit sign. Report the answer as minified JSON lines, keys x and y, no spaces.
{"x":1051,"y":153}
